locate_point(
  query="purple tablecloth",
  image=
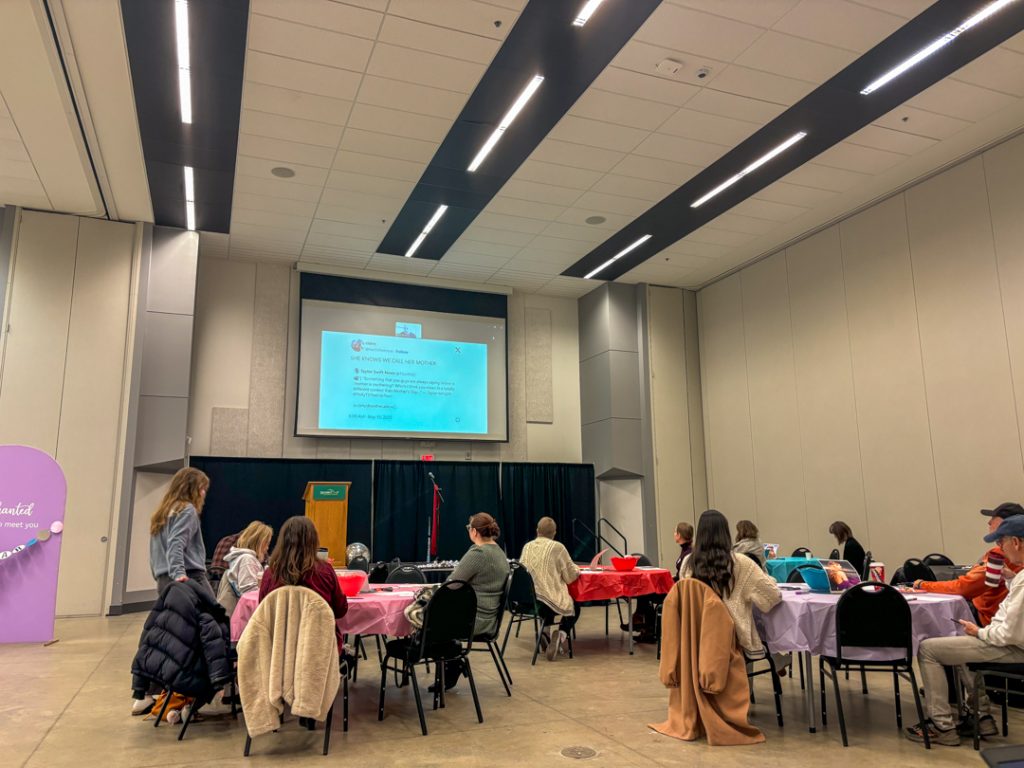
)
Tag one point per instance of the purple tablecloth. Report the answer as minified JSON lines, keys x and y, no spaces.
{"x":806,"y":621}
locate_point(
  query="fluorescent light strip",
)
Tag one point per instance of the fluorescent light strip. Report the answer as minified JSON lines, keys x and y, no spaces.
{"x":586,"y":12}
{"x":936,"y":44}
{"x":750,"y":168}
{"x":190,"y":197}
{"x":426,"y":230}
{"x":506,"y":121}
{"x":184,"y":66}
{"x":618,"y":256}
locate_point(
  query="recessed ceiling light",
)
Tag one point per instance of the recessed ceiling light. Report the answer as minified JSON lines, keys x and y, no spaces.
{"x":184,"y":65}
{"x":595,"y":219}
{"x":750,"y":168}
{"x":426,"y":230}
{"x":936,"y":44}
{"x":282,"y":172}
{"x":190,"y":198}
{"x":586,"y":12}
{"x":506,"y":121}
{"x":618,"y":256}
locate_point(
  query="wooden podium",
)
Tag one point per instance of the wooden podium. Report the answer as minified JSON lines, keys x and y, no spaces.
{"x":327,"y":507}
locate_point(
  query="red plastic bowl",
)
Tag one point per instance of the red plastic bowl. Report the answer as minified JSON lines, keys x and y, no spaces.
{"x":625,"y":563}
{"x":351,"y":582}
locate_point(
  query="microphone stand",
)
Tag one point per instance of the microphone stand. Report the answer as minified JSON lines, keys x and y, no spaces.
{"x":435,"y":489}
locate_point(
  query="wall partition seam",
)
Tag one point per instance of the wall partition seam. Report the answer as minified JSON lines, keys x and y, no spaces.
{"x":695,"y":404}
{"x":649,"y":495}
{"x":10,"y":219}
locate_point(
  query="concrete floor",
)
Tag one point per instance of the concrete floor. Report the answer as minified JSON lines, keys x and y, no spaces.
{"x":68,"y":705}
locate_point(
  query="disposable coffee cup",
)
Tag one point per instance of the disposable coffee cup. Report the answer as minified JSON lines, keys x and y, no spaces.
{"x":321,"y":553}
{"x":993,"y":571}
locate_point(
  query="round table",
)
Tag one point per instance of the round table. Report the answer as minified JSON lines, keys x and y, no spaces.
{"x":806,"y":622}
{"x":605,"y":583}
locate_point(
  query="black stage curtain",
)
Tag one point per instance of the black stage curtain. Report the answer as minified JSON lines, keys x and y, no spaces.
{"x":563,"y":492}
{"x":270,"y":490}
{"x":402,"y":502}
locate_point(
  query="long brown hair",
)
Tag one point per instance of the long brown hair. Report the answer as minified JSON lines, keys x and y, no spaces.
{"x":294,"y":555}
{"x":841,"y":531}
{"x":746,"y":530}
{"x":187,"y":487}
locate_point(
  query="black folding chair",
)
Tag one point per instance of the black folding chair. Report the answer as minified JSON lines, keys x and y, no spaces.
{"x":914,"y":569}
{"x":379,"y":573}
{"x":872,"y":615}
{"x":641,"y":558}
{"x":834,"y":555}
{"x":753,"y":672}
{"x":865,"y":574}
{"x":448,"y":621}
{"x":936,"y":559}
{"x":490,"y":640}
{"x":796,"y":576}
{"x":406,"y":574}
{"x":359,"y":564}
{"x":522,"y":606}
{"x":802,"y":552}
{"x":982,"y":671}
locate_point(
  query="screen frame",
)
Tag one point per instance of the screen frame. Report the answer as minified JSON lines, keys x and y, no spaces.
{"x":425,"y":298}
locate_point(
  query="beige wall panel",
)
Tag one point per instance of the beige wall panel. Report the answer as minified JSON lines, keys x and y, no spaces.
{"x":892,"y":415}
{"x":781,"y":512}
{"x":1004,"y":173}
{"x":150,"y":488}
{"x":726,"y":405}
{"x":963,"y":343}
{"x":269,"y":360}
{"x":833,"y":479}
{"x":561,"y":439}
{"x":695,"y":408}
{"x":87,"y":444}
{"x":222,"y":349}
{"x":540,"y":404}
{"x":516,"y":447}
{"x":44,"y":268}
{"x":294,"y":447}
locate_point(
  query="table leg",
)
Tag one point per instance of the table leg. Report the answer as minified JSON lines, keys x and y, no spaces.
{"x":629,"y":611}
{"x":812,"y":715}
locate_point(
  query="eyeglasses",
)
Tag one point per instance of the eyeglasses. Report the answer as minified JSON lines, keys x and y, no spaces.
{"x":469,"y":526}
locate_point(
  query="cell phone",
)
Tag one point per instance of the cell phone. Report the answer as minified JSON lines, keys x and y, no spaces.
{"x":957,"y":622}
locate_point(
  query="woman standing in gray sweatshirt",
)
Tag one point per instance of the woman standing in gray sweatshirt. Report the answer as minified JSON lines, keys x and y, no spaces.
{"x":176,"y":549}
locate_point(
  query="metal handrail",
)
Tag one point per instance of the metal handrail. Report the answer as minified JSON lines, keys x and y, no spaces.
{"x":625,"y":544}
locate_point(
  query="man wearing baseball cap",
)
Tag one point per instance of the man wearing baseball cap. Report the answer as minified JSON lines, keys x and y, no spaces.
{"x":1002,"y":641}
{"x":971,"y":586}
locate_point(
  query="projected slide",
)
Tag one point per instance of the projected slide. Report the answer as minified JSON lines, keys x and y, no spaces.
{"x":402,"y":383}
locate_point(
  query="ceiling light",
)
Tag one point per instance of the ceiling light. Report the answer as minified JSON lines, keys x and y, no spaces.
{"x":618,"y":256}
{"x":506,"y":121}
{"x":936,"y":44}
{"x":750,"y":168}
{"x":184,"y":73}
{"x":426,"y":230}
{"x":190,"y":198}
{"x":586,"y":12}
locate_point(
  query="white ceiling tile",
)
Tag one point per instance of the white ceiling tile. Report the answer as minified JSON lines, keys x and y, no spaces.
{"x":370,"y":165}
{"x":434,"y":39}
{"x":630,"y":186}
{"x":524,"y":280}
{"x":703,"y":34}
{"x":503,"y":236}
{"x":704,"y":126}
{"x":301,"y":75}
{"x":557,"y":260}
{"x":754,"y":110}
{"x":893,"y":141}
{"x":595,"y":133}
{"x":359,"y":200}
{"x":322,"y":14}
{"x":766,"y":209}
{"x":794,"y":194}
{"x":375,"y":185}
{"x":688,"y":247}
{"x":577,"y":248}
{"x":349,"y":229}
{"x":708,"y":234}
{"x":603,"y":203}
{"x":541,"y":193}
{"x":424,"y":68}
{"x":576,"y":155}
{"x":561,"y":175}
{"x":642,"y":58}
{"x":502,"y":221}
{"x":268,"y":234}
{"x":375,"y":143}
{"x":762,"y":13}
{"x":343,"y":243}
{"x":254,"y":202}
{"x":822,"y":177}
{"x":656,"y":169}
{"x":840,"y":23}
{"x":289,"y":128}
{"x":455,"y":271}
{"x":735,"y":222}
{"x":408,"y":97}
{"x":795,"y":57}
{"x":534,"y":267}
{"x":297,"y":41}
{"x":581,"y":232}
{"x":622,"y":110}
{"x":999,"y":69}
{"x":1015,"y":43}
{"x":385,"y":262}
{"x":271,"y":186}
{"x":642,"y":86}
{"x":921,"y":123}
{"x":907,"y":9}
{"x":755,"y":84}
{"x":961,"y":100}
{"x":526,"y":208}
{"x":578,"y":215}
{"x":257,"y":166}
{"x":567,"y":287}
{"x":489,"y":249}
{"x":307,"y":106}
{"x":255,"y":246}
{"x":369,"y":212}
{"x":283,"y":221}
{"x":396,"y":123}
{"x":285,"y":151}
{"x":458,"y":255}
{"x":332,"y":256}
{"x":678,"y":149}
{"x":854,"y":157}
{"x":464,"y":15}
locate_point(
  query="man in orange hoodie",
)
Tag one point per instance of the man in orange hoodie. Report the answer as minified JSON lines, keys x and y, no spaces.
{"x":971,"y":586}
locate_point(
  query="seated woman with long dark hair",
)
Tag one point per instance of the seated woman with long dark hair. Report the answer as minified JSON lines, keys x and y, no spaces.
{"x":735,"y":578}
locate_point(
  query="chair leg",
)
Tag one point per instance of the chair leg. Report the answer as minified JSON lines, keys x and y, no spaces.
{"x":472,"y":688}
{"x":863,"y":681}
{"x":1005,"y":707}
{"x":327,"y":729}
{"x":383,"y":685}
{"x":606,"y":607}
{"x":163,"y":708}
{"x":839,"y":706}
{"x":536,"y":650}
{"x":188,"y":719}
{"x":248,"y":745}
{"x":344,"y":705}
{"x":824,"y":697}
{"x":800,"y":664}
{"x":979,"y":687}
{"x":776,"y":688}
{"x":508,"y":675}
{"x":750,"y":685}
{"x":419,"y":701}
{"x":920,"y":709}
{"x":497,"y":665}
{"x":380,"y":652}
{"x":508,"y":631}
{"x":896,"y":692}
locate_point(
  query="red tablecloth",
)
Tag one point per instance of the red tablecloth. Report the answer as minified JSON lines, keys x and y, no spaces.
{"x":605,"y":583}
{"x":369,"y":613}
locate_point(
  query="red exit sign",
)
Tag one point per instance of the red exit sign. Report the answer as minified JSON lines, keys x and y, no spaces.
{"x":427,"y":457}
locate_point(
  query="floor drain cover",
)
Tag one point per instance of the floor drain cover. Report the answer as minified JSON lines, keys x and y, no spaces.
{"x":579,"y":753}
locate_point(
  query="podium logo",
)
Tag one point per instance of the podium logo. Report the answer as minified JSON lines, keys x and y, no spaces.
{"x":330,"y":492}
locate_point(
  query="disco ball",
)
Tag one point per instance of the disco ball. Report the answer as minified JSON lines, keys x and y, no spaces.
{"x":355,"y":550}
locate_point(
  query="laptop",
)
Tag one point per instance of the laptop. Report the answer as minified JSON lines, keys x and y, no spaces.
{"x":836,"y":576}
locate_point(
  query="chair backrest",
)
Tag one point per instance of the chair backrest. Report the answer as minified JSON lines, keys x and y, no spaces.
{"x":755,"y":558}
{"x":379,"y":573}
{"x":834,"y":555}
{"x":936,"y":559}
{"x":913,"y":569}
{"x":865,"y":573}
{"x":796,"y":576}
{"x":450,"y":615}
{"x":502,"y":603}
{"x":801,"y":552}
{"x":521,"y":595}
{"x":873,"y":615}
{"x":641,"y":558}
{"x":359,"y":564}
{"x":406,"y":574}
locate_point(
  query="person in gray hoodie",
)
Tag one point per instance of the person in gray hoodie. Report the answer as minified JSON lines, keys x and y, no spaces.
{"x":748,"y":541}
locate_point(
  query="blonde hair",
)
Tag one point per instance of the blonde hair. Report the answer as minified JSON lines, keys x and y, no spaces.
{"x":256,"y":537}
{"x":187,"y":487}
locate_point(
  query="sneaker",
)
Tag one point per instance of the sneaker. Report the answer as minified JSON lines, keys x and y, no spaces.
{"x":553,"y":646}
{"x":947,"y":738}
{"x":986,"y":726}
{"x":142,"y":706}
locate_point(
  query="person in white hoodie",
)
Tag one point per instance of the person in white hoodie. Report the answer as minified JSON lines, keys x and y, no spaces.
{"x":1002,"y":641}
{"x":245,"y":564}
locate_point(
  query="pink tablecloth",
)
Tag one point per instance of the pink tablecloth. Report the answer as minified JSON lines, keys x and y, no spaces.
{"x":806,"y":621}
{"x":373,"y":613}
{"x":607,"y":584}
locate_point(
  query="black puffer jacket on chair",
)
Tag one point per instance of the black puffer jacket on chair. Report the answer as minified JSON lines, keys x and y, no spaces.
{"x":185,"y":645}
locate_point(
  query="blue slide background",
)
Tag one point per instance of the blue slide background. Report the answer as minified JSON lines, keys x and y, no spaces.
{"x":394,"y":384}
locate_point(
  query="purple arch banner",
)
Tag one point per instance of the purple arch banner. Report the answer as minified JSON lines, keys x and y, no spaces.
{"x":32,"y":496}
